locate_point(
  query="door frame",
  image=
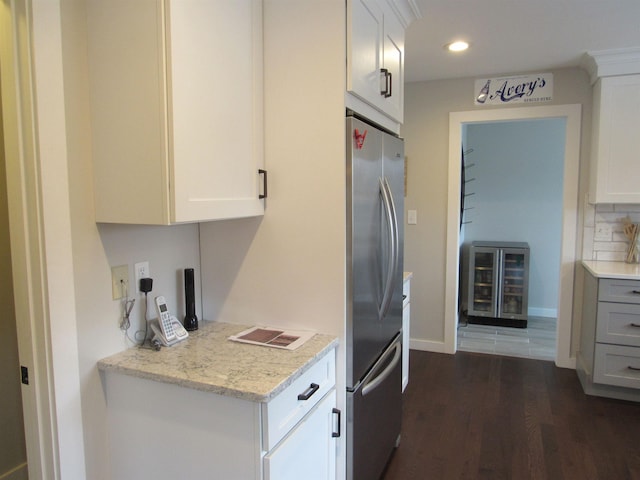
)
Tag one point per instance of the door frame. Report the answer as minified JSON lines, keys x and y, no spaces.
{"x":572,"y":114}
{"x":34,"y":118}
{"x":25,"y":230}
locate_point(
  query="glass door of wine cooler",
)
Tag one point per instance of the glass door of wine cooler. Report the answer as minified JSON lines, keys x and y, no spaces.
{"x":513,"y":300}
{"x":483,"y":278}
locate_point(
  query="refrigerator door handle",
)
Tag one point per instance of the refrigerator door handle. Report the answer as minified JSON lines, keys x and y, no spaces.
{"x":392,"y":261}
{"x":372,"y":384}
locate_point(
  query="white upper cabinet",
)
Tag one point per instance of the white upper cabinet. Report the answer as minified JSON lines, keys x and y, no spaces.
{"x":375,"y":56}
{"x":176,"y":110}
{"x":615,"y":168}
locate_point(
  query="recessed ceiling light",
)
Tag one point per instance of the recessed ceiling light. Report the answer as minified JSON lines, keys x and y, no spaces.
{"x":458,"y":46}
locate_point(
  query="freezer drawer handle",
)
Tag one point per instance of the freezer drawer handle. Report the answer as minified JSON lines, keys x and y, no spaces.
{"x":635,"y":292}
{"x":264,"y":183}
{"x":635,"y":369}
{"x":373,"y":384}
{"x":336,"y":432}
{"x":634,"y":325}
{"x":306,"y":395}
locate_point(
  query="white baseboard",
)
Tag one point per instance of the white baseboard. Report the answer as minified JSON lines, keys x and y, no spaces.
{"x":427,"y":346}
{"x":543,"y":312}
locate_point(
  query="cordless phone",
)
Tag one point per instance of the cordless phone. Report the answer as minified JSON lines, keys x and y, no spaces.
{"x":164,"y":319}
{"x":170,"y":329}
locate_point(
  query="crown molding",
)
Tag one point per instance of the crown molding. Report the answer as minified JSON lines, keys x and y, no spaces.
{"x":406,"y":10}
{"x":606,"y":63}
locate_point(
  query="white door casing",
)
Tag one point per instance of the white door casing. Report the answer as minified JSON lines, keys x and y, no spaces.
{"x":568,"y":255}
{"x":39,"y":223}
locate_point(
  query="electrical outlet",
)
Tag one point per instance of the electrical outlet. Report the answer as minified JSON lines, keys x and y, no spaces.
{"x":119,"y":281}
{"x":603,"y":232}
{"x":141,"y":270}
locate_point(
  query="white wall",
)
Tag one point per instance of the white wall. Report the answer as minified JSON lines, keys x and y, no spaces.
{"x":426,"y":130}
{"x":518,"y":172}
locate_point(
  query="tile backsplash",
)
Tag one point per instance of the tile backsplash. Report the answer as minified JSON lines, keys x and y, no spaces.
{"x":603,"y":236}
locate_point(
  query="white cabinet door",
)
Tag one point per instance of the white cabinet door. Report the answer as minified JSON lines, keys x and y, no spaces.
{"x":393,"y":61}
{"x":364,"y":52}
{"x":375,"y":56}
{"x":309,"y":451}
{"x":616,"y":115}
{"x":176,"y":110}
{"x":216,"y":118}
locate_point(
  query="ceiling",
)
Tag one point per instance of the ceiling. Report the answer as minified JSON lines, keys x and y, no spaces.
{"x":515,"y":36}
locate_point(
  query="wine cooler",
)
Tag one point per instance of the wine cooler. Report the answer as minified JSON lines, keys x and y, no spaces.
{"x":498,"y":283}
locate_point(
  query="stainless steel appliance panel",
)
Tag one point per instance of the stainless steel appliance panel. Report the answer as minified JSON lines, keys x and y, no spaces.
{"x":375,"y":201}
{"x":374,"y":416}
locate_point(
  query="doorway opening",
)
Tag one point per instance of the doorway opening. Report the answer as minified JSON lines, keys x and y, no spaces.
{"x":512,"y":175}
{"x":567,"y":256}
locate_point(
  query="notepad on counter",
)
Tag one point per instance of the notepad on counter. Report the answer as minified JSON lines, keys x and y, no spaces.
{"x":273,"y":337}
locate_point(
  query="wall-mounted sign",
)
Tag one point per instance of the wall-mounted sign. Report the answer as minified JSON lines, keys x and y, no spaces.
{"x":519,"y":89}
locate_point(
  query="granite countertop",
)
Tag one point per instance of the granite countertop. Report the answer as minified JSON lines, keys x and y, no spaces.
{"x":208,"y":361}
{"x":617,"y":270}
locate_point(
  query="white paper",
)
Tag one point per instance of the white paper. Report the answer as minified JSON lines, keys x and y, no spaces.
{"x":273,"y":337}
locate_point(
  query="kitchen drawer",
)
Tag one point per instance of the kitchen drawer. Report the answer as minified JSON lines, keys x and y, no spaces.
{"x":282,"y":413}
{"x":617,"y":365}
{"x":618,"y":323}
{"x":621,"y":291}
{"x":309,"y":451}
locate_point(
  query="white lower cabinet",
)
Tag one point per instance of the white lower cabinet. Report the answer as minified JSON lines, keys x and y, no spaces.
{"x":309,"y":450}
{"x":167,"y":431}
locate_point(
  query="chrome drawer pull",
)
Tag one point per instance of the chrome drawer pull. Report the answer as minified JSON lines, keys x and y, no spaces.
{"x":635,"y":369}
{"x":306,"y":395}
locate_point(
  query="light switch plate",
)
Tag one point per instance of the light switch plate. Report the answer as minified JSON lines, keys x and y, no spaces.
{"x":119,"y":281}
{"x":412,"y":217}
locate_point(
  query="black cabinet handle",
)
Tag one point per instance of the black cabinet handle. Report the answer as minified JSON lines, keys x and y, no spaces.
{"x":634,"y":325}
{"x":636,"y":369}
{"x":336,"y":433}
{"x":635,"y":292}
{"x":264,"y":183}
{"x":306,"y":395}
{"x":388,"y":85}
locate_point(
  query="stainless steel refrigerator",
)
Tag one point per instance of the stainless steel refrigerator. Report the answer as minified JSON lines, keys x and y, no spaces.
{"x":375,"y":212}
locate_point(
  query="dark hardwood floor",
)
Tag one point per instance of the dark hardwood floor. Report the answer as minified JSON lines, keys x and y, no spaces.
{"x":477,"y":416}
